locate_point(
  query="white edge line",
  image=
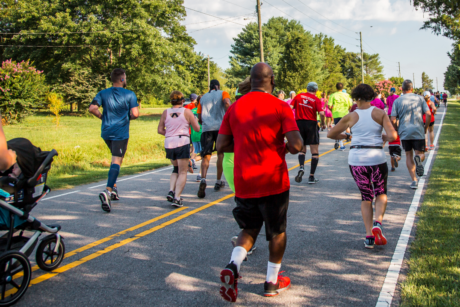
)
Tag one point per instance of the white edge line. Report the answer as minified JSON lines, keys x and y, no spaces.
{"x":391,"y":279}
{"x":60,"y":195}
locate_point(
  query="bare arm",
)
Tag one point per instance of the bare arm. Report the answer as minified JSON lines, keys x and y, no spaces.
{"x":192,"y":120}
{"x":134,"y":113}
{"x":336,"y":132}
{"x":94,"y":109}
{"x":224,"y":143}
{"x":427,"y":119}
{"x":199,"y":119}
{"x":161,"y":124}
{"x":323,"y":119}
{"x":7,"y":156}
{"x":295,"y":143}
{"x":227,"y":103}
{"x":394,"y":121}
{"x":433,"y":107}
{"x":390,"y":131}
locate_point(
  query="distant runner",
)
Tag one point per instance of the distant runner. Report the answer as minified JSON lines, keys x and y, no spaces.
{"x":339,"y":103}
{"x":391,"y":99}
{"x":119,"y":107}
{"x":196,"y":138}
{"x":429,"y":135}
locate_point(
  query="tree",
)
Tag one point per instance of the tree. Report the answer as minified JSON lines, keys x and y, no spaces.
{"x":351,"y":68}
{"x":384,"y":86}
{"x":444,"y":16}
{"x":452,"y":75}
{"x":427,"y":83}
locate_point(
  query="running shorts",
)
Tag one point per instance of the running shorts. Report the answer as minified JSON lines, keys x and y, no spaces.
{"x":208,"y":142}
{"x":228,"y":166}
{"x":371,"y":180}
{"x":117,"y":148}
{"x":252,"y":213}
{"x":197,"y":147}
{"x":410,"y":145}
{"x":309,"y":131}
{"x":431,"y":124}
{"x":182,"y":152}
{"x":336,"y":120}
{"x":395,"y":150}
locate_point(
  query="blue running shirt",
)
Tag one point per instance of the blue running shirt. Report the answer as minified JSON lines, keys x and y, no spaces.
{"x":116,"y":102}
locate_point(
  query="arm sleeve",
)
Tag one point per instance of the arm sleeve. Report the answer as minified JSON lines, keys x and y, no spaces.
{"x":133,"y":101}
{"x":319,"y":105}
{"x":97,"y":100}
{"x":288,"y":122}
{"x":331,"y":101}
{"x":394,"y":109}
{"x":198,"y":109}
{"x":225,"y":95}
{"x":293,"y":102}
{"x":225,"y":126}
{"x":424,"y":106}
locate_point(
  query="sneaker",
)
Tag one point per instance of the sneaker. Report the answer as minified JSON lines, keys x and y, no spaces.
{"x":431,"y":147}
{"x":414,"y":185}
{"x":229,"y":278}
{"x":426,"y":149}
{"x":312,"y":180}
{"x":378,"y":234}
{"x":114,"y":194}
{"x":198,"y":178}
{"x":396,"y":160}
{"x":194,"y":164}
{"x":369,"y":242}
{"x":342,"y":148}
{"x":298,"y":178}
{"x":219,"y":185}
{"x":419,"y":169}
{"x":202,"y":189}
{"x":105,"y":196}
{"x":393,"y":169}
{"x":281,"y":285}
{"x":336,"y":145}
{"x":177,"y":203}
{"x":190,"y":166}
{"x":170,"y":196}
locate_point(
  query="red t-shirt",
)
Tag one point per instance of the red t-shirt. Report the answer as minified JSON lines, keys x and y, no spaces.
{"x":258,"y":122}
{"x":396,"y":142}
{"x":306,"y":106}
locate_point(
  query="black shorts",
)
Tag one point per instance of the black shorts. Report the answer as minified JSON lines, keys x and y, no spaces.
{"x":251,"y":213}
{"x":208,"y":142}
{"x":408,"y":145}
{"x":395,"y":150}
{"x":431,"y":124}
{"x":182,"y":152}
{"x":117,"y":148}
{"x":336,"y":120}
{"x":309,"y":131}
{"x":371,"y":180}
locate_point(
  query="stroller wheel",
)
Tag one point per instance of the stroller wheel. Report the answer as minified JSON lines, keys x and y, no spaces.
{"x":47,"y":258}
{"x":15,"y":274}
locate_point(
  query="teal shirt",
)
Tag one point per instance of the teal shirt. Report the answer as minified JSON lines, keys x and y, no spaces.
{"x":196,"y":136}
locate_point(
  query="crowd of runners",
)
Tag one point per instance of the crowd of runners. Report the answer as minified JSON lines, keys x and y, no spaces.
{"x":252,"y":135}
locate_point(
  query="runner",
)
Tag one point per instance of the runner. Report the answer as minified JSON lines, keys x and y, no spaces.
{"x":339,"y":103}
{"x":367,"y":159}
{"x":192,"y":105}
{"x":444,"y":99}
{"x":292,"y":96}
{"x":281,"y":95}
{"x":211,"y":110}
{"x":327,"y":112}
{"x":307,"y":105}
{"x":196,"y":137}
{"x":377,"y":102}
{"x":175,"y":125}
{"x":391,"y":99}
{"x":394,"y":148}
{"x":119,"y":107}
{"x":254,"y":128}
{"x":430,"y":130}
{"x":408,"y":109}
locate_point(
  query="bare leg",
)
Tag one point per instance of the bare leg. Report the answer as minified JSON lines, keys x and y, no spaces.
{"x":247,"y":238}
{"x":182,"y":178}
{"x":411,"y":164}
{"x":392,"y":162}
{"x":277,"y":246}
{"x":368,"y":216}
{"x":220,"y":168}
{"x":173,"y":178}
{"x":380,"y":207}
{"x":205,"y":165}
{"x":431,"y":132}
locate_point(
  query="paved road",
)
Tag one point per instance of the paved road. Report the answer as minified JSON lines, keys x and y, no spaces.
{"x":174,"y":258}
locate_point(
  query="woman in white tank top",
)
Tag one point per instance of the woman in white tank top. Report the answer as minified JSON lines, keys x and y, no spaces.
{"x":175,"y":126}
{"x":367,"y":160}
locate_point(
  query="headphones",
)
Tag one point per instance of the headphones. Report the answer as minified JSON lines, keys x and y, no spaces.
{"x":122,"y":80}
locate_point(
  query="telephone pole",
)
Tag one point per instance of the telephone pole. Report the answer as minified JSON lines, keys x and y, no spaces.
{"x":437,"y":90}
{"x":362,"y":57}
{"x":399,"y":65}
{"x":209,"y":76}
{"x":260,"y":32}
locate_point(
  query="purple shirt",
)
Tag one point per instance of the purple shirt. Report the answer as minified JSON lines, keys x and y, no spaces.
{"x":378,"y":103}
{"x":390,"y":101}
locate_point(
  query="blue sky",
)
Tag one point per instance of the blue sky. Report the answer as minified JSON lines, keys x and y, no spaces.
{"x":390,"y":28}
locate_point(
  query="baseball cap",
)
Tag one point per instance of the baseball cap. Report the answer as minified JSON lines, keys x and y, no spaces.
{"x":193,"y":97}
{"x":291,"y":92}
{"x":312,"y":87}
{"x":392,"y":89}
{"x":344,"y":90}
{"x":427,"y":93}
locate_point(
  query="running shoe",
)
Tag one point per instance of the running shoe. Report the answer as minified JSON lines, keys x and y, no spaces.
{"x":219,"y":185}
{"x":105,"y":196}
{"x":298,"y":178}
{"x":194,"y":164}
{"x":312,"y":180}
{"x":396,"y":160}
{"x":426,"y":149}
{"x":229,"y":278}
{"x":336,"y":145}
{"x":253,"y":248}
{"x":419,"y":169}
{"x":431,"y":147}
{"x":114,"y":194}
{"x":393,"y":169}
{"x":170,"y":196}
{"x":369,"y":242}
{"x":190,"y":167}
{"x":414,"y":185}
{"x":283,"y":284}
{"x":378,"y":234}
{"x":177,"y":203}
{"x":202,"y":189}
{"x":198,"y":178}
{"x":342,"y":148}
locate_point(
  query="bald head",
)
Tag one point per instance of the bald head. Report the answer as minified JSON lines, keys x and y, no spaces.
{"x":262,"y":77}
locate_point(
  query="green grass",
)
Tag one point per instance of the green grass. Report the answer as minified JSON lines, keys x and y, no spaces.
{"x":83,"y":155}
{"x":434,"y":265}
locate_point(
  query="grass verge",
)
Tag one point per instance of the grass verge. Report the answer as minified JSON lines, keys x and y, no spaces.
{"x":434,"y":264}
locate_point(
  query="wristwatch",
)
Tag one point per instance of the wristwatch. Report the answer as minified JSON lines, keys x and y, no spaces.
{"x":348,"y":136}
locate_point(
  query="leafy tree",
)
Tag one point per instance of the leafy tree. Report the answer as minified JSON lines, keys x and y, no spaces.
{"x":452,"y":75}
{"x":332,"y":64}
{"x":427,"y":83}
{"x":444,"y":16}
{"x":351,"y":68}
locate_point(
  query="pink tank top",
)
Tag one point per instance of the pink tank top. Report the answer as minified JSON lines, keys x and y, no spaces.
{"x":177,"y":128}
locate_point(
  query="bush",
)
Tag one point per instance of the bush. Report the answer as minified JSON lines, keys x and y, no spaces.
{"x":56,"y":104}
{"x":22,"y":88}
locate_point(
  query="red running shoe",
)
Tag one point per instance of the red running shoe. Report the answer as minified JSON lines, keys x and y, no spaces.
{"x":378,"y":234}
{"x":229,"y":278}
{"x":282,"y":284}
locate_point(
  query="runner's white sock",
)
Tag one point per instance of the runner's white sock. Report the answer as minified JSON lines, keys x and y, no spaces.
{"x":238,"y":255}
{"x":272,"y":272}
{"x":341,"y":143}
{"x":218,"y":181}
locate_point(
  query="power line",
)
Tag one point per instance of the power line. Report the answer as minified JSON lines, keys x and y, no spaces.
{"x":214,"y":16}
{"x":50,"y":33}
{"x":193,"y":23}
{"x":238,"y":5}
{"x":58,"y":46}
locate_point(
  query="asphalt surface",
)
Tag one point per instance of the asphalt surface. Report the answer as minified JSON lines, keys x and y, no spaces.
{"x":176,"y":260}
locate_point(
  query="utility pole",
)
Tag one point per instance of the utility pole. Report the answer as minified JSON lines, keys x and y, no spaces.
{"x":260,"y":32}
{"x":399,"y":65}
{"x":209,"y":76}
{"x":437,"y":90}
{"x":362,"y":57}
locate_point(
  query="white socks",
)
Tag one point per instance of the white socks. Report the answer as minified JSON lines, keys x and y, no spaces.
{"x":219,"y":181}
{"x":341,"y":143}
{"x":272,"y":272}
{"x":238,"y":255}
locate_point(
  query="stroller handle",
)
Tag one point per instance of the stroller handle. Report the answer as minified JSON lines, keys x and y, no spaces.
{"x":33,"y":181}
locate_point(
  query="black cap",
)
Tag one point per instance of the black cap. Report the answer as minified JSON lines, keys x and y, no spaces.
{"x":214,"y":82}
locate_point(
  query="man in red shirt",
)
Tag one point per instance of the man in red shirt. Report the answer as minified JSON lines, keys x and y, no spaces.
{"x":306,"y":106}
{"x":254,"y":128}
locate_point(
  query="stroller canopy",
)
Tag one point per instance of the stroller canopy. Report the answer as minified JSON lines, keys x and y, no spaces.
{"x":29,"y":157}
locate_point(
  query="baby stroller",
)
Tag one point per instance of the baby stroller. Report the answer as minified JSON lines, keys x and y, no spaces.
{"x":25,"y":191}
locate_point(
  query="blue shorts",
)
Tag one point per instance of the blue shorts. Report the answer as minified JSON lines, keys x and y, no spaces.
{"x":197,"y":147}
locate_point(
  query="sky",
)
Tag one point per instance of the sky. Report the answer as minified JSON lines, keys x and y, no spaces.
{"x":390,"y":28}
